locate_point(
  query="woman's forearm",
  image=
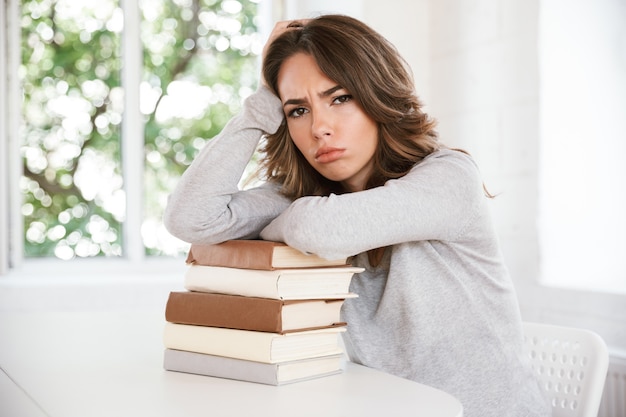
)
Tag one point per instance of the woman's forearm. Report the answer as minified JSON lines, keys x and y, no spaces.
{"x":201,"y":206}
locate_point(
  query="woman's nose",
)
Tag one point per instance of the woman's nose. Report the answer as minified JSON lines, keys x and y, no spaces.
{"x":321,"y":125}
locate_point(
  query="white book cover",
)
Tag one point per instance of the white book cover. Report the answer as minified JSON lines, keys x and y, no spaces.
{"x":252,"y":345}
{"x":285,"y":284}
{"x":244,"y":370}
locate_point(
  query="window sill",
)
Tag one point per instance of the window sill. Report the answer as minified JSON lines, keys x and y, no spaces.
{"x":91,"y":285}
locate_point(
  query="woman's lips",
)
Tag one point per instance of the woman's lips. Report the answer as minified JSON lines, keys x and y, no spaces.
{"x":326,"y":155}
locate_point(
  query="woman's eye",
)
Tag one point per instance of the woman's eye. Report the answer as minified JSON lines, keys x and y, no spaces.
{"x":297,"y":112}
{"x":342,"y":99}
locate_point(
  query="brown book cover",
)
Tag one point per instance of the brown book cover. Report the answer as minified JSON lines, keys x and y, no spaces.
{"x":251,"y":313}
{"x":256,"y":254}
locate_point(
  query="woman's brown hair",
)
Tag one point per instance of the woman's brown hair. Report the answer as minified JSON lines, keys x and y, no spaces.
{"x":369,"y":67}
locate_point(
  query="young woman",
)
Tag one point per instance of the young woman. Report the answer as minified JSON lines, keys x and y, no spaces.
{"x":354,"y":168}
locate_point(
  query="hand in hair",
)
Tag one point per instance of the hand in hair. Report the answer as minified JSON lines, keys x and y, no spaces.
{"x":280,"y":28}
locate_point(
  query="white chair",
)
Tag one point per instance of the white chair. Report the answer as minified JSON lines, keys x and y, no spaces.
{"x":571,"y":365}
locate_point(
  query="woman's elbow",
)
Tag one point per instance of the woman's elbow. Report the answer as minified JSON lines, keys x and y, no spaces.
{"x":182,"y":221}
{"x":177,"y":224}
{"x":201,"y":225}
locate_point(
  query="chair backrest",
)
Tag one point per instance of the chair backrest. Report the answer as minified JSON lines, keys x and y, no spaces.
{"x":570,"y":364}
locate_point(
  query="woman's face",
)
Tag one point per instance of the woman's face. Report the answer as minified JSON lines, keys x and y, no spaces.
{"x":327,"y":125}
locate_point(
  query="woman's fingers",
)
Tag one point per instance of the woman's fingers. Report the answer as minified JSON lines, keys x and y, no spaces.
{"x":280,"y":28}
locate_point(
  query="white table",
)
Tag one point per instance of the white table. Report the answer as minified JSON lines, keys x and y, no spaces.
{"x":89,"y":364}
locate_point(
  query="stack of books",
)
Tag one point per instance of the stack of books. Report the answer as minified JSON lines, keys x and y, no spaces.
{"x":257,"y":311}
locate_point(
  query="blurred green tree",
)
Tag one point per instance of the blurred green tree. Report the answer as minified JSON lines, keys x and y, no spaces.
{"x":199,"y":62}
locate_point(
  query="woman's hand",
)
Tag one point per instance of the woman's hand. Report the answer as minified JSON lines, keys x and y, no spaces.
{"x":280,"y":28}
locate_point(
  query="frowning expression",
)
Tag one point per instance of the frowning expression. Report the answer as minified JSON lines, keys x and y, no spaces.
{"x":326,"y":124}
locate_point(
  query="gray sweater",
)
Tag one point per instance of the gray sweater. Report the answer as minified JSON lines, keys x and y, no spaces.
{"x":439,"y":309}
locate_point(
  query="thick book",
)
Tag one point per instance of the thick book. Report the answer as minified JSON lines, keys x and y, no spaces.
{"x":243,"y":370}
{"x":256,"y":254}
{"x":283,"y":284}
{"x":252,"y":345}
{"x":251,"y":313}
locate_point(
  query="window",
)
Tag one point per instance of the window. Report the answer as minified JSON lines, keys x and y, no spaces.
{"x":582,"y":127}
{"x":118,"y":98}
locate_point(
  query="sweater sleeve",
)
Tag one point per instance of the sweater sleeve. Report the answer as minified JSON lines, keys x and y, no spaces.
{"x":207,"y":205}
{"x":436,"y":200}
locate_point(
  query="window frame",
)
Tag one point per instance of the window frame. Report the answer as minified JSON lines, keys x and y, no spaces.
{"x":134,"y":261}
{"x":11,"y":226}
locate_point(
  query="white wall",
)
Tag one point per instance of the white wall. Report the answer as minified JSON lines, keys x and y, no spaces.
{"x":583,"y":175}
{"x":484,"y":88}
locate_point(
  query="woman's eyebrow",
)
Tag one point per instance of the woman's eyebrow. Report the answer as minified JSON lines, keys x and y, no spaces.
{"x":294,"y":101}
{"x":330,"y":91}
{"x":325,"y":93}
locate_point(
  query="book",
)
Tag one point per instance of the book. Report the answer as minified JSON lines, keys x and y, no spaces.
{"x":256,"y":254}
{"x":251,"y":313}
{"x":283,"y":284}
{"x":243,"y":370}
{"x":252,"y":345}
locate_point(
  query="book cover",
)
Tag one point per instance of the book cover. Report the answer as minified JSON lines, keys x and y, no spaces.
{"x":256,"y":254}
{"x":243,"y":370}
{"x":251,"y":313}
{"x":285,"y":284}
{"x":252,"y":345}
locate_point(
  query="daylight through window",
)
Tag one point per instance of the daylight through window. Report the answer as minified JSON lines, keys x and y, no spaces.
{"x":199,"y":61}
